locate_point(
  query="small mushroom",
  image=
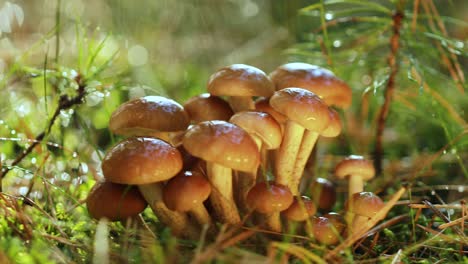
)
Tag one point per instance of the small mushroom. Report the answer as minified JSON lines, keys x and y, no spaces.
{"x":323,"y":194}
{"x":327,"y":229}
{"x":186,"y":192}
{"x":361,"y":207}
{"x":270,"y":198}
{"x":113,"y":201}
{"x":240,"y":83}
{"x":301,"y":209}
{"x":357,"y":170}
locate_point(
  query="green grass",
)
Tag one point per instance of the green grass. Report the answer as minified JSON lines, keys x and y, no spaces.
{"x":43,"y":218}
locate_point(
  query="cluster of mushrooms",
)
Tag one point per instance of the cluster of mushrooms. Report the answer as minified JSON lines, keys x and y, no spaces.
{"x":235,"y":156}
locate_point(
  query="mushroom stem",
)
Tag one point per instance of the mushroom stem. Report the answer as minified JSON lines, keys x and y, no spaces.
{"x":358,"y":223}
{"x":356,"y":185}
{"x":201,"y":215}
{"x":178,"y":222}
{"x":241,"y":103}
{"x":286,"y":155}
{"x":221,"y":196}
{"x":245,"y":181}
{"x":307,"y":145}
{"x":273,"y":222}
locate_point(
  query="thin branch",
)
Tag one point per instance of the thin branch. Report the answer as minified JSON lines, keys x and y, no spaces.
{"x":64,"y":103}
{"x":389,"y":89}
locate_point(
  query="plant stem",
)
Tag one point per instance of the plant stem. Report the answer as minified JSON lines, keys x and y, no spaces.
{"x":390,"y":88}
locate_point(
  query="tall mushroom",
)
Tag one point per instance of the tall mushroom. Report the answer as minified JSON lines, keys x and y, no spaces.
{"x":357,"y":170}
{"x":305,"y":111}
{"x":266,"y":133}
{"x":224,"y":147}
{"x":240,"y":83}
{"x":154,"y":116}
{"x":146,"y":162}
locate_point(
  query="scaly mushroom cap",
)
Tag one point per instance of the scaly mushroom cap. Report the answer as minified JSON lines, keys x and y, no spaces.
{"x":186,"y":191}
{"x":355,"y":165}
{"x":206,"y":107}
{"x":269,"y":198}
{"x":146,"y":115}
{"x":261,"y":125}
{"x":334,"y":127}
{"x":301,"y":209}
{"x":240,"y":80}
{"x":313,"y":78}
{"x":303,"y":107}
{"x":114,"y":201}
{"x":222,"y":143}
{"x":365,"y":204}
{"x":141,"y":160}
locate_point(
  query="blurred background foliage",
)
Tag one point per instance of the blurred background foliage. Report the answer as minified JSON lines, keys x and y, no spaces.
{"x":120,"y":49}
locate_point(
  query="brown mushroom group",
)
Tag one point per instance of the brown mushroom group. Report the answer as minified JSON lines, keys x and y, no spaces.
{"x":235,"y":152}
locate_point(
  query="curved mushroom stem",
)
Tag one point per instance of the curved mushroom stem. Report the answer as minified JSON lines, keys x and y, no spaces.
{"x":307,"y":145}
{"x":178,"y":222}
{"x":241,"y":103}
{"x":201,"y":215}
{"x":356,"y":184}
{"x":221,"y":197}
{"x":287,"y":152}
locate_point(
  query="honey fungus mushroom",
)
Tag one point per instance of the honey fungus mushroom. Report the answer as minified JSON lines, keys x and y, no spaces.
{"x":186,"y":192}
{"x":356,"y":170}
{"x":116,"y":202}
{"x":147,"y":162}
{"x":240,"y":83}
{"x":154,"y":116}
{"x":224,"y":147}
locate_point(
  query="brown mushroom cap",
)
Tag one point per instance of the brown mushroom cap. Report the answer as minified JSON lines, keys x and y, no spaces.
{"x":145,"y":115}
{"x":303,"y":107}
{"x":313,"y":78}
{"x":205,"y":107}
{"x":263,"y":105}
{"x":334,"y":127}
{"x":114,"y":201}
{"x":355,"y":165}
{"x":261,"y":125}
{"x":365,"y":204}
{"x":269,"y":198}
{"x":222,"y":143}
{"x":240,"y":80}
{"x":323,"y":193}
{"x":327,"y":229}
{"x":301,"y":209}
{"x":141,"y":160}
{"x":186,"y":191}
